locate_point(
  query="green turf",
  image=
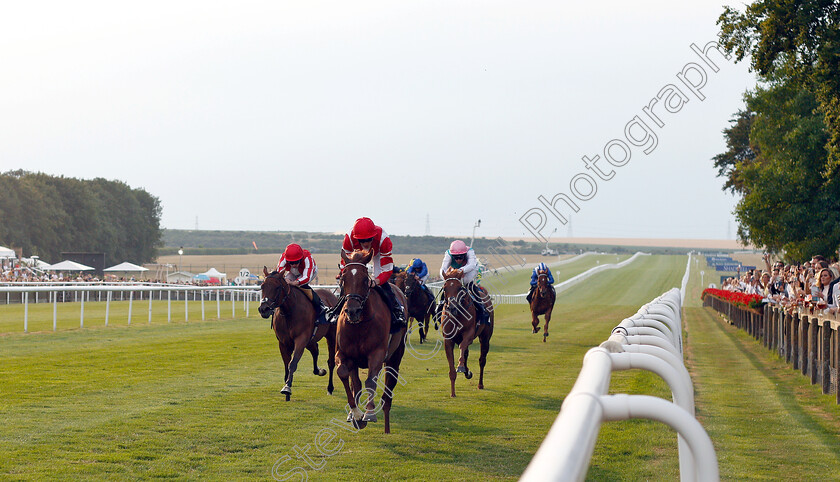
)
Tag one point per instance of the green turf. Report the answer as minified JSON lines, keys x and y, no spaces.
{"x":200,"y":400}
{"x":516,"y":282}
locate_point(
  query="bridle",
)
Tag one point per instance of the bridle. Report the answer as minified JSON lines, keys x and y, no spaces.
{"x":454,"y":297}
{"x":355,"y":296}
{"x":272,"y":303}
{"x":542,"y":289}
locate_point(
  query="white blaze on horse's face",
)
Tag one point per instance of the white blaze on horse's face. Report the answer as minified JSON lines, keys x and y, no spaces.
{"x":353,"y":271}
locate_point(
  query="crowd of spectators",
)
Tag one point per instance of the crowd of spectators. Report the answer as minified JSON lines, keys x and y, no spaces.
{"x":814,"y":283}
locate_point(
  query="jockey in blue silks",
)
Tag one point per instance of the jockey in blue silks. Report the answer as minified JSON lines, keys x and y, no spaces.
{"x":535,"y":275}
{"x":419,"y":269}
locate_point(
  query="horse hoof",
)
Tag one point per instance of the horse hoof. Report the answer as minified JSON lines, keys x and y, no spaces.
{"x":480,"y":386}
{"x":468,"y":375}
{"x":461,"y":369}
{"x":330,"y":390}
{"x":359,"y":424}
{"x":320,"y":372}
{"x":288,"y":396}
{"x":369,"y":417}
{"x":436,"y":326}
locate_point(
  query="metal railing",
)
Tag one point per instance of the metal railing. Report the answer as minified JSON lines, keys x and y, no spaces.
{"x":649,"y":340}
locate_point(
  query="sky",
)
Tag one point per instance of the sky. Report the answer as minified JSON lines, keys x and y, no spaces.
{"x":305,"y":116}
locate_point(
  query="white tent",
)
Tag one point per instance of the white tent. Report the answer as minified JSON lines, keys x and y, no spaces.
{"x":126,"y":267}
{"x":7,"y":253}
{"x":179,"y":277}
{"x":68,"y":265}
{"x":214,"y":273}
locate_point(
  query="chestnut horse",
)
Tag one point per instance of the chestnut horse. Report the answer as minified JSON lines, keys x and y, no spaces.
{"x":458,"y":325}
{"x":542,"y":302}
{"x":293,"y":323}
{"x":419,"y":306}
{"x":364,"y":340}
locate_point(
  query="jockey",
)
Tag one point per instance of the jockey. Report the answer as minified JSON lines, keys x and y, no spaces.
{"x":419,"y":270}
{"x":535,"y":275}
{"x":299,"y":269}
{"x":367,"y":236}
{"x":460,"y":257}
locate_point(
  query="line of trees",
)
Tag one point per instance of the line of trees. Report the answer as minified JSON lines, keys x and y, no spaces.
{"x":47,"y":215}
{"x":783,"y":146}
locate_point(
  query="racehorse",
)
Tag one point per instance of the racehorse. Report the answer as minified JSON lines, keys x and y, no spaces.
{"x":542,"y":302}
{"x":419,"y":306}
{"x":458,"y":325}
{"x":364,"y":340}
{"x":293,"y":323}
{"x":398,"y":280}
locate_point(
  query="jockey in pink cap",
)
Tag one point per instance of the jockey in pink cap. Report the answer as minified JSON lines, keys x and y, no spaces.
{"x":460,"y":256}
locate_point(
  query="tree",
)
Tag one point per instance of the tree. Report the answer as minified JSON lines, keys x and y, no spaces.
{"x":48,"y":215}
{"x":787,"y":204}
{"x":795,"y":38}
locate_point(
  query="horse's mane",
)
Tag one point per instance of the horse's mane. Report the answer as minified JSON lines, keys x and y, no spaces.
{"x":357,"y":255}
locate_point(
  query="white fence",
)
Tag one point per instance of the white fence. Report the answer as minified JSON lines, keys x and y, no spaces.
{"x":650,"y":340}
{"x":82,"y":293}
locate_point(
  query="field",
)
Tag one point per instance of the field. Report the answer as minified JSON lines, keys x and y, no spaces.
{"x":200,"y":400}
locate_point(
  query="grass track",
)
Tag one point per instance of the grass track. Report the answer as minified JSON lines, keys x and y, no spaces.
{"x":201,"y":400}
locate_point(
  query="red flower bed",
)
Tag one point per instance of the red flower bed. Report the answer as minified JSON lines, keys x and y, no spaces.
{"x":749,"y":301}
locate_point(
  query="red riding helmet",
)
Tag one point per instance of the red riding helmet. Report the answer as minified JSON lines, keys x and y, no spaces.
{"x":293,"y":252}
{"x":363,"y":228}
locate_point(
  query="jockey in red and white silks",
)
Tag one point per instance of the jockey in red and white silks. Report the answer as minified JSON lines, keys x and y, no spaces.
{"x":366,"y":235}
{"x":297,"y":265}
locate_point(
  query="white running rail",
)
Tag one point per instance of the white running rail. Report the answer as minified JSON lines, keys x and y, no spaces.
{"x":650,"y":340}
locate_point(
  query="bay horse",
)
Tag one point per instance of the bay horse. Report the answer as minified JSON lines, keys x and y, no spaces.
{"x":458,"y":325}
{"x":293,"y":322}
{"x":542,"y":303}
{"x":419,"y":307}
{"x":364,"y":340}
{"x":398,"y":280}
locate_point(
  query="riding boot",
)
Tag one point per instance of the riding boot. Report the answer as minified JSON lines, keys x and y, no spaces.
{"x":397,"y":316}
{"x":332,"y":313}
{"x":320,"y":309}
{"x":531,"y":293}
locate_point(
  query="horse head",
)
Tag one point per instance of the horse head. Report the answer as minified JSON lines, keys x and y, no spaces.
{"x":274,"y":292}
{"x":355,"y":283}
{"x":453,"y":284}
{"x":542,"y":281}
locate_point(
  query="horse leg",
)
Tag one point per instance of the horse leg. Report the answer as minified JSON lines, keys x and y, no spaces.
{"x":357,"y":412}
{"x":467,"y":374}
{"x":482,"y":359}
{"x":547,"y":319}
{"x":535,"y":321}
{"x":344,"y":371}
{"x":330,"y":362}
{"x":424,"y":328}
{"x":300,"y":345}
{"x":449,"y":347}
{"x":287,"y":358}
{"x":375,"y":361}
{"x":313,"y":349}
{"x":392,"y":373}
{"x":466,"y":340}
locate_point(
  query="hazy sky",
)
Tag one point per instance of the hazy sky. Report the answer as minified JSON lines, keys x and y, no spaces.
{"x":306,"y":115}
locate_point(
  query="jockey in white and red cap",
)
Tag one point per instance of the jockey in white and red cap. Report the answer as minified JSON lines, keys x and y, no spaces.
{"x":366,"y":235}
{"x":460,"y":256}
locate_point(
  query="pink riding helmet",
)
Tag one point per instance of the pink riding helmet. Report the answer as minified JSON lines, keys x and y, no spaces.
{"x":458,"y":247}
